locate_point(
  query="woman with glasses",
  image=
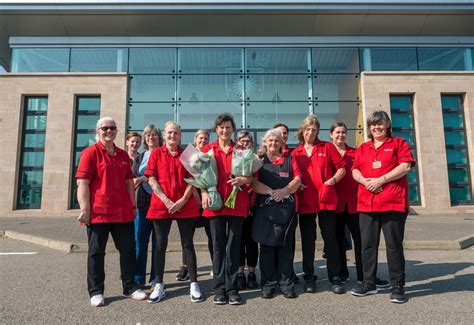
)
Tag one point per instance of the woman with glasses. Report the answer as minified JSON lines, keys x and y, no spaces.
{"x":106,"y":198}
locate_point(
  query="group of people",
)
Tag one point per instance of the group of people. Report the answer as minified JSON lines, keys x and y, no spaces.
{"x":135,"y":196}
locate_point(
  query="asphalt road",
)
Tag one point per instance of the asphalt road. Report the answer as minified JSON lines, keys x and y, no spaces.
{"x":46,"y":286}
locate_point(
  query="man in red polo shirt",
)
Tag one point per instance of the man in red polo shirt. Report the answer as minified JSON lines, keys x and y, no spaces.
{"x":106,"y":198}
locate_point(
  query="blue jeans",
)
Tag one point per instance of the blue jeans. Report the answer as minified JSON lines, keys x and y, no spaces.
{"x":143,"y":229}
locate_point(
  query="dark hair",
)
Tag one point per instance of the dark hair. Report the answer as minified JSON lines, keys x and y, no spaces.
{"x":224,"y":117}
{"x":336,"y":125}
{"x":376,"y":118}
{"x":133,"y":134}
{"x":309,"y":120}
{"x":281,"y":124}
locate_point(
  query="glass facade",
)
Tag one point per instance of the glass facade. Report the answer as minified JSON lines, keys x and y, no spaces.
{"x":460,"y":188}
{"x":87,"y":114}
{"x":30,"y":182}
{"x":401,"y":109}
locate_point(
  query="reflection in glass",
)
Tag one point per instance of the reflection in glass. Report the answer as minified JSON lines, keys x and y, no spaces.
{"x":265,"y":115}
{"x":450,"y":59}
{"x":389,"y":59}
{"x":210,"y":60}
{"x":40,"y":60}
{"x":457,"y":138}
{"x":451,"y":102}
{"x":148,"y":88}
{"x":402,"y":102}
{"x":99,"y":60}
{"x":31,"y":178}
{"x":196,"y":88}
{"x":142,"y":114}
{"x":414,"y":193}
{"x":335,"y":60}
{"x":402,"y":120}
{"x":35,"y":140}
{"x":88,"y":103}
{"x":330,"y":112}
{"x":333,"y":87}
{"x":453,"y":120}
{"x":202,"y":115}
{"x":85,"y":139}
{"x":278,"y":87}
{"x":29,"y":198}
{"x":152,"y":60}
{"x":87,"y":122}
{"x":277,"y":60}
{"x":457,"y":175}
{"x":458,"y":194}
{"x":33,"y":159}
{"x":37,"y":122}
{"x":37,"y":103}
{"x":456,"y":156}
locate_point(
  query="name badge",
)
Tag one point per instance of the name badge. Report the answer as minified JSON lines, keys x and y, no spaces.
{"x":284,"y":174}
{"x":376,"y":164}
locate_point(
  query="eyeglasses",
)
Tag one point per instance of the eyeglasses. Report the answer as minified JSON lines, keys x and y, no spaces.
{"x":106,"y":128}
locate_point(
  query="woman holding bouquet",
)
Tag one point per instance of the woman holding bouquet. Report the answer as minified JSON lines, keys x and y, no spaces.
{"x":226,"y":223}
{"x":321,"y":167}
{"x":171,"y":199}
{"x":278,"y":179}
{"x":248,"y":247}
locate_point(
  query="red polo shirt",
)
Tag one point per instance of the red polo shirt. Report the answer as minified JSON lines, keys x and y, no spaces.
{"x":170,"y":174}
{"x":347,"y":187}
{"x":315,"y":170}
{"x":224,"y":170}
{"x":110,"y":201}
{"x":373,"y":163}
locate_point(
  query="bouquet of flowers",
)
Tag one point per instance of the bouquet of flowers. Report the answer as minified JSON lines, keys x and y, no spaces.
{"x":244,"y":163}
{"x":204,"y":170}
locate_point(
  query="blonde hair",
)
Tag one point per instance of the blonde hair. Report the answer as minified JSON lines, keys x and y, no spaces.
{"x":149,"y":129}
{"x":309,"y":120}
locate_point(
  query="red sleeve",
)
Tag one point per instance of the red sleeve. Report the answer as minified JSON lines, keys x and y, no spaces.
{"x":356,"y":164}
{"x":404,"y":152}
{"x":335,"y":157}
{"x":152,"y":165}
{"x":87,"y":164}
{"x":295,"y":168}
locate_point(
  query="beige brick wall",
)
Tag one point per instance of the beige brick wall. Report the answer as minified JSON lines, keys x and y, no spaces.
{"x":427,"y":88}
{"x":61,"y":89}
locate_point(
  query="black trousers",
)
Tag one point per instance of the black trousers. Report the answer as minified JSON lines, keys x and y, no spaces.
{"x":207,"y":229}
{"x":226,"y":234}
{"x":123,"y":235}
{"x":327,"y":223}
{"x":392,"y":223}
{"x":186,"y":231}
{"x":352,"y":222}
{"x":276,"y":267}
{"x":248,"y":247}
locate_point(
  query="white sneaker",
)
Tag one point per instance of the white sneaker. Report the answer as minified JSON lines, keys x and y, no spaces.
{"x":195,"y":292}
{"x":138,"y":295}
{"x":97,"y":300}
{"x":157,"y":294}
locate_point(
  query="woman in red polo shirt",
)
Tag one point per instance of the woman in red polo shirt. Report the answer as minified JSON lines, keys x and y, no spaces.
{"x":321,"y":168}
{"x":226,"y":223}
{"x":171,"y":199}
{"x":380,"y":167}
{"x":106,"y":198}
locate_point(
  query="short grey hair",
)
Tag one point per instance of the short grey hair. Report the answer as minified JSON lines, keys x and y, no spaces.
{"x":99,"y":124}
{"x":271,"y":132}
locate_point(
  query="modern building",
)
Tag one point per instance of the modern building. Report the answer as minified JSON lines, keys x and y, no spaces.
{"x":66,"y":63}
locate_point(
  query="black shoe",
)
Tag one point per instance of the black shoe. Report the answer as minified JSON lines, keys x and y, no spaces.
{"x":337,"y":286}
{"x":241,"y":281}
{"x":296,"y":280}
{"x":220,"y":299}
{"x":252,"y":281}
{"x":398,"y":295}
{"x":290,"y":295}
{"x":268,"y":294}
{"x":235,"y":299}
{"x":183,"y":274}
{"x":363,"y":290}
{"x":310,"y":285}
{"x":381,"y":284}
{"x":344,"y":278}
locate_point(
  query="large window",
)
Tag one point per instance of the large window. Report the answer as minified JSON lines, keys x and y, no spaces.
{"x":40,"y":60}
{"x":30,"y":182}
{"x":87,"y":114}
{"x":401,"y":107}
{"x":460,"y":189}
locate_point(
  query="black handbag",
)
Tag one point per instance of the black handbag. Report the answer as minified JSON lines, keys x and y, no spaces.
{"x":274,"y":222}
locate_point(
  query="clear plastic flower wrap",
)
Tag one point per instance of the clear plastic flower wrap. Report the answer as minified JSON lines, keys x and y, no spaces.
{"x":202,"y":166}
{"x":244,"y":163}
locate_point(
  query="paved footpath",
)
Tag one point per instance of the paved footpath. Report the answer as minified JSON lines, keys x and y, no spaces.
{"x":439,"y":232}
{"x":45,"y":286}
